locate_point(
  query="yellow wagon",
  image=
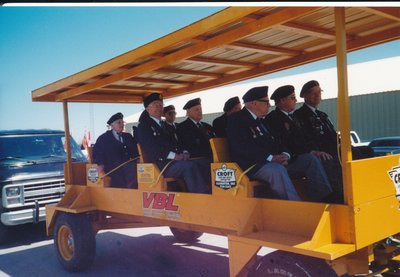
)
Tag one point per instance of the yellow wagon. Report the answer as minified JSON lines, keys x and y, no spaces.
{"x":236,"y":44}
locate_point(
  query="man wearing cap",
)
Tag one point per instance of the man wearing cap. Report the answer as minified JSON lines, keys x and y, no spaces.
{"x":170,"y":117}
{"x":255,"y":147}
{"x":286,"y":125}
{"x":231,"y":106}
{"x":194,"y":134}
{"x":114,"y":148}
{"x":161,"y":148}
{"x":317,"y":127}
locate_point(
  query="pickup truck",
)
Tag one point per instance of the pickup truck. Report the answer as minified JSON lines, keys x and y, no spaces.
{"x":355,"y":139}
{"x":31,"y":175}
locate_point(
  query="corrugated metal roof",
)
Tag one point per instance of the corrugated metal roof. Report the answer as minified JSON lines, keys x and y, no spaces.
{"x":235,"y":44}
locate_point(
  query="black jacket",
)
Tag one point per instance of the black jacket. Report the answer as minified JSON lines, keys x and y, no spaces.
{"x":155,"y":141}
{"x":195,"y":139}
{"x":219,"y":125}
{"x":248,"y":143}
{"x":289,"y":132}
{"x":111,"y":153}
{"x":318,"y":129}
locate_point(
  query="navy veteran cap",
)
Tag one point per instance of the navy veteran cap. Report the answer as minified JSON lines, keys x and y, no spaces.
{"x":282,"y":92}
{"x":150,"y":98}
{"x":169,"y":108}
{"x":192,"y":103}
{"x":255,"y":94}
{"x":307,"y":86}
{"x":115,"y":117}
{"x":230,"y":103}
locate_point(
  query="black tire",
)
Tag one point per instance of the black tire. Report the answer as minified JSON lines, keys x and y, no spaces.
{"x":281,"y":263}
{"x":74,"y":241}
{"x":5,"y":233}
{"x":185,"y":235}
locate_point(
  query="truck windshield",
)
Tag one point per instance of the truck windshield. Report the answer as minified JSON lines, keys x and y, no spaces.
{"x":14,"y":148}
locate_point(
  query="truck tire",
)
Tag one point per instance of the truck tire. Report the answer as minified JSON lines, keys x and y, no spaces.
{"x":185,"y":235}
{"x":281,"y":263}
{"x":74,"y":241}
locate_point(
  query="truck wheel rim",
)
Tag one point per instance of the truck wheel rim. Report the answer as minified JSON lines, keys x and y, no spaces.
{"x":66,"y":243}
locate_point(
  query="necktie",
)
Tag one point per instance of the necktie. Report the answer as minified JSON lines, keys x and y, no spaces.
{"x":262,"y":126}
{"x":198,"y":125}
{"x":290,"y":116}
{"x":162,"y":124}
{"x":120,"y":138}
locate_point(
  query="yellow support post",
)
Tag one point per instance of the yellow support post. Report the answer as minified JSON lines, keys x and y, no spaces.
{"x":68,"y":172}
{"x":343,"y":96}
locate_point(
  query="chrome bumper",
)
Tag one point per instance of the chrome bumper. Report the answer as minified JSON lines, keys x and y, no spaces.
{"x":23,"y":216}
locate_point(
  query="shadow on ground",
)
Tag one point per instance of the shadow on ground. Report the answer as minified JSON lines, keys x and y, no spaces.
{"x":118,"y":254}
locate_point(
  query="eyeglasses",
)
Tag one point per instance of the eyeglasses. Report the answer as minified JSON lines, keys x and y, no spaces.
{"x":263,"y":100}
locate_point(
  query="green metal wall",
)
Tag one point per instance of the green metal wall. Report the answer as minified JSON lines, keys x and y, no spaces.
{"x":372,"y":115}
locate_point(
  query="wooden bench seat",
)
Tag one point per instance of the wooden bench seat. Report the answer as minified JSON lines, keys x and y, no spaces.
{"x":221,"y":160}
{"x":247,"y":187}
{"x":150,"y":177}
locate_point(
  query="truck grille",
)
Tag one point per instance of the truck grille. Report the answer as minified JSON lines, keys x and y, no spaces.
{"x":45,"y":192}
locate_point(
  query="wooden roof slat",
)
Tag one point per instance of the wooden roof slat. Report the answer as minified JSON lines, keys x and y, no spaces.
{"x":129,"y":88}
{"x":264,"y":49}
{"x":311,"y":31}
{"x":279,"y":17}
{"x":234,"y":63}
{"x":157,"y":81}
{"x":188,"y":72}
{"x":107,"y":98}
{"x":392,"y":14}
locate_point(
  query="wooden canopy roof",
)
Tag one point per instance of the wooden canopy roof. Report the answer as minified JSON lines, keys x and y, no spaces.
{"x":235,"y":44}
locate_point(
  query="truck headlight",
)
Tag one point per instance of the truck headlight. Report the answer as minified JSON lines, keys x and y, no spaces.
{"x":13,"y":191}
{"x":13,"y":196}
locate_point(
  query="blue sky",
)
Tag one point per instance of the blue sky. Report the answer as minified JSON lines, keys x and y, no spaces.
{"x":40,"y":45}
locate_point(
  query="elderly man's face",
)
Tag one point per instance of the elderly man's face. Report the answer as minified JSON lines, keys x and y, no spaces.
{"x":313,"y":96}
{"x":155,"y":109}
{"x":170,"y":116}
{"x":195,"y":113}
{"x":288,"y":103}
{"x":118,"y":125}
{"x":235,"y":109}
{"x":259,"y":107}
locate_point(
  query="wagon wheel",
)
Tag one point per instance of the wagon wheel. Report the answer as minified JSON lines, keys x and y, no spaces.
{"x":185,"y":235}
{"x":74,"y":241}
{"x":281,"y":263}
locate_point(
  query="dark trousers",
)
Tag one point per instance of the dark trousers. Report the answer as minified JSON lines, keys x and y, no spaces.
{"x":192,"y":174}
{"x":309,"y":166}
{"x":125,"y":177}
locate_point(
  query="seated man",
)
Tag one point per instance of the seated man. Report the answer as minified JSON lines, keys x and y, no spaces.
{"x":114,"y":148}
{"x":194,"y":134}
{"x":253,"y":145}
{"x":318,"y":129}
{"x":284,"y":123}
{"x":162,"y":148}
{"x":170,"y":117}
{"x":231,"y":106}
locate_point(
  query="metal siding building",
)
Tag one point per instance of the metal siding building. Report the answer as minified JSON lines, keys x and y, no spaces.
{"x":372,"y":115}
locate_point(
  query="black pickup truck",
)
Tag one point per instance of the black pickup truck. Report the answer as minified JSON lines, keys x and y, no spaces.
{"x":31,"y":175}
